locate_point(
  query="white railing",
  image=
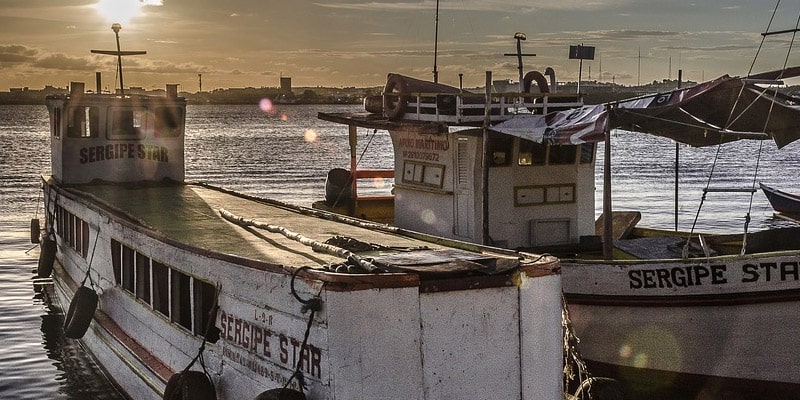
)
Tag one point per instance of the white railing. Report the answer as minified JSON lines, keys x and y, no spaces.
{"x":468,"y":108}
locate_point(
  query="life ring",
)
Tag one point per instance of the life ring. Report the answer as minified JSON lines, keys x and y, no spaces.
{"x":190,"y":385}
{"x":47,"y":256}
{"x":395,"y":96}
{"x":281,"y":394}
{"x":80,"y":313}
{"x":541,"y":82}
{"x":36,"y":232}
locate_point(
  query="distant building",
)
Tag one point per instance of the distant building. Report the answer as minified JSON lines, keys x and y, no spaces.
{"x":286,"y":84}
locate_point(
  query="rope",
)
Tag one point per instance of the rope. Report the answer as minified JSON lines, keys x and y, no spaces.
{"x":91,"y":258}
{"x":212,"y":317}
{"x":360,"y":157}
{"x":313,"y":304}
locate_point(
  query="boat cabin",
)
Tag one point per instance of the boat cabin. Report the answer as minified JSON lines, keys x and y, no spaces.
{"x":117,"y":138}
{"x":537,"y":194}
{"x":527,"y":194}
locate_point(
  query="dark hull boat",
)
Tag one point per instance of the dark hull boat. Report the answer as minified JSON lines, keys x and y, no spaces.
{"x":781,"y":201}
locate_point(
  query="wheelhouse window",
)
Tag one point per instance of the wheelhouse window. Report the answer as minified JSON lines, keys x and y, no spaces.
{"x":56,"y":124}
{"x":531,"y":153}
{"x":127,"y":122}
{"x":562,"y":155}
{"x":500,"y":147}
{"x":83,"y":122}
{"x":168,"y":121}
{"x":587,"y":153}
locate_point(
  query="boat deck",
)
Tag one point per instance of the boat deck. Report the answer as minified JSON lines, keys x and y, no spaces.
{"x":190,"y":214}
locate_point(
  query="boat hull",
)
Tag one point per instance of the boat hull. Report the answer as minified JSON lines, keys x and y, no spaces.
{"x":717,"y":327}
{"x":389,"y":335}
{"x":782,"y":201}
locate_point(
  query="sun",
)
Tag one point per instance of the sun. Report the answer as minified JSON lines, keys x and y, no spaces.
{"x":123,"y":11}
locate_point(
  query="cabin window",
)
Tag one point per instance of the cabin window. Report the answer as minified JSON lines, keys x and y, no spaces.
{"x":531,"y":153}
{"x":183,"y":299}
{"x":204,"y":294}
{"x":116,"y":260}
{"x":562,"y":154}
{"x":161,"y":288}
{"x":56,"y":122}
{"x":168,"y":121}
{"x":128,"y":260}
{"x":587,"y":153}
{"x":127,"y":123}
{"x":83,"y":122}
{"x":72,"y":230}
{"x":143,"y":277}
{"x":500,"y":147}
{"x":181,"y":303}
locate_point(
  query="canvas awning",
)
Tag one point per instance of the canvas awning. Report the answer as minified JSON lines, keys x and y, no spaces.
{"x":719,"y":111}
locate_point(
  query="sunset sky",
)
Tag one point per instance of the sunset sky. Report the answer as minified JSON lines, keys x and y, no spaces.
{"x":239,"y":43}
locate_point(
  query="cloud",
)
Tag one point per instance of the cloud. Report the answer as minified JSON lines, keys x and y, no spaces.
{"x":16,"y":53}
{"x":64,"y":62}
{"x":478,"y":5}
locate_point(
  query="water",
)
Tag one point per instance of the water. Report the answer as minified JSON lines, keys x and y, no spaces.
{"x":285,"y":155}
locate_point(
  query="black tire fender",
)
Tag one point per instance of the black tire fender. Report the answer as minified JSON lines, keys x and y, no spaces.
{"x":190,"y":385}
{"x":80,"y":313}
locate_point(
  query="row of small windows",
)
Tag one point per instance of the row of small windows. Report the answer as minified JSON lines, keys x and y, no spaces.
{"x":533,"y":153}
{"x":73,"y":231}
{"x":184,"y":300}
{"x":123,"y":122}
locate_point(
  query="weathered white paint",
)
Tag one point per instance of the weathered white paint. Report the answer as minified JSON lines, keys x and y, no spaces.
{"x":444,"y":210}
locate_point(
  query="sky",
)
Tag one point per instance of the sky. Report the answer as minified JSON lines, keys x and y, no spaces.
{"x":343,"y":43}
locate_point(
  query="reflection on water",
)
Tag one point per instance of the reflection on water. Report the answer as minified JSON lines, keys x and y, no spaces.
{"x":36,"y":360}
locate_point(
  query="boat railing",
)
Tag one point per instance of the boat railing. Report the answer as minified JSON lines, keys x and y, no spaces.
{"x":370,"y":174}
{"x":469,"y":108}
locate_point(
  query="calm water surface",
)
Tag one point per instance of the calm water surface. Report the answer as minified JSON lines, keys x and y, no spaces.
{"x":285,"y":155}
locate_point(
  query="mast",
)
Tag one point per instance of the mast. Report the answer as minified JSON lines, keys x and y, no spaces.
{"x":119,"y":53}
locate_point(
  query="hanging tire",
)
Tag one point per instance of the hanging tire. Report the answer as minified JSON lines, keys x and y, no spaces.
{"x":190,"y":385}
{"x":281,"y":394}
{"x":80,"y":313}
{"x":395,"y":96}
{"x":47,"y":256}
{"x":36,"y":231}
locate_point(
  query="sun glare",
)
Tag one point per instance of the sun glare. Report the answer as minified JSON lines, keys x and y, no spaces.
{"x":123,"y":11}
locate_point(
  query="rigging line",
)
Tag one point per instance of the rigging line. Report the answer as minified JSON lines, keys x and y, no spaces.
{"x":703,"y":197}
{"x":763,"y":38}
{"x":752,"y":65}
{"x":707,"y":126}
{"x":374,"y":132}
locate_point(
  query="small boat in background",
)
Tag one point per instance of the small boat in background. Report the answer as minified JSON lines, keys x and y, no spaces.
{"x":781,"y":201}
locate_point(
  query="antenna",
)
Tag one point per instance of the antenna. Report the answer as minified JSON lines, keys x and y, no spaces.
{"x":436,"y":45}
{"x":519,"y":37}
{"x":119,"y":53}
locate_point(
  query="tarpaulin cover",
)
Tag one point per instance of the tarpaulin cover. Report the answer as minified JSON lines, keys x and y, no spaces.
{"x":718,"y":111}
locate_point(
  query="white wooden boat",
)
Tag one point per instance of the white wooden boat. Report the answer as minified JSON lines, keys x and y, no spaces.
{"x":711,"y":318}
{"x":187,"y":291}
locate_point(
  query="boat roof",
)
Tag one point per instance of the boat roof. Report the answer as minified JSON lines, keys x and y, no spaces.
{"x":189,"y":215}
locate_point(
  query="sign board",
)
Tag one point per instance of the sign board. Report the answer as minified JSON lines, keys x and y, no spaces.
{"x":581,"y":52}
